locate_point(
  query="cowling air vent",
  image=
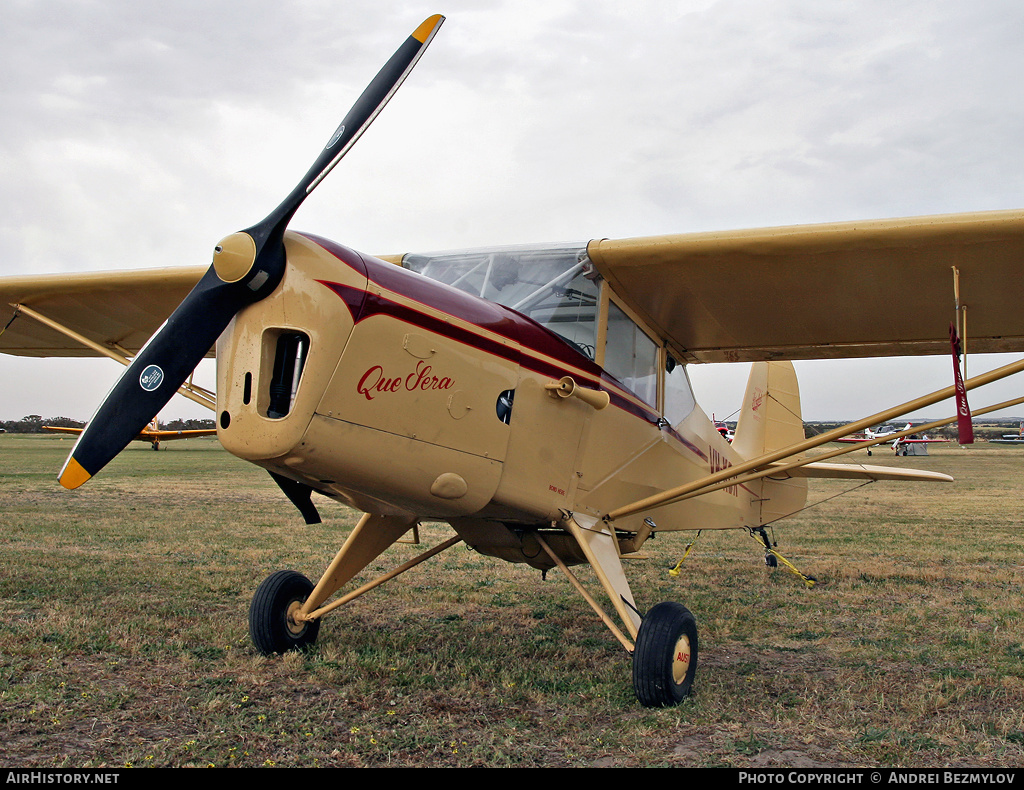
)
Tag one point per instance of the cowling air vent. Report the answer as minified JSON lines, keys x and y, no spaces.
{"x":290,"y":351}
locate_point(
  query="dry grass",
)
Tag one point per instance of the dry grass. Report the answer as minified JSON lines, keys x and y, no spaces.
{"x":123,"y":633}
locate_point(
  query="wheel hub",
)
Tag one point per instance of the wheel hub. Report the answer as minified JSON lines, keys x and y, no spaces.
{"x":681,"y":659}
{"x":296,"y":625}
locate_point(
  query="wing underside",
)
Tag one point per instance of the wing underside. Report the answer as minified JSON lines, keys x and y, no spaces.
{"x":853,"y":289}
{"x":117,"y":310}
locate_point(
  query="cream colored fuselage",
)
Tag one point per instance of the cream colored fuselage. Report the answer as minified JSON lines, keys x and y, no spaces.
{"x":399,"y":405}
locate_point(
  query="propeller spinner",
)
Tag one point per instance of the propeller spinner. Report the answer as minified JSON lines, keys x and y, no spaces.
{"x":247,"y":266}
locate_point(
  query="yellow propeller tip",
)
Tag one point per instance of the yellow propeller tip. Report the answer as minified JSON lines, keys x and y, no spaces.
{"x":73,"y":474}
{"x":422,"y":33}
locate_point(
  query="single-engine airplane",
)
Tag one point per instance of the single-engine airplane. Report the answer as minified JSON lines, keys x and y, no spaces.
{"x":152,"y":433}
{"x":534,"y":398}
{"x":1011,"y":438}
{"x":899,"y":443}
{"x":867,"y":433}
{"x":722,"y":428}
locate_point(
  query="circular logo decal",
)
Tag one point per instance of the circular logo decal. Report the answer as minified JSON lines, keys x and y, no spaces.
{"x":151,"y":378}
{"x":336,"y":136}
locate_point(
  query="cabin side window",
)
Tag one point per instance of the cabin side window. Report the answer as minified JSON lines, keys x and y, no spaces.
{"x":679,"y":400}
{"x":631,"y":356}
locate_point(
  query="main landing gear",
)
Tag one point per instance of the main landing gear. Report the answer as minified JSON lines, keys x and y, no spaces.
{"x":286,"y":611}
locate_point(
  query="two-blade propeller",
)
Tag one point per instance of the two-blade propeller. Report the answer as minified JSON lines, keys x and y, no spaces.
{"x":247,"y":266}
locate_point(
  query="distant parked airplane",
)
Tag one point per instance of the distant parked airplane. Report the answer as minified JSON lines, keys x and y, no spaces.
{"x":1012,"y":438}
{"x":899,"y":445}
{"x":151,"y":433}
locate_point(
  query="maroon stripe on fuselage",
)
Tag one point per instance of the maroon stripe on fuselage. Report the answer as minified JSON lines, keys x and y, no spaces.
{"x":352,"y":297}
{"x":482,"y":313}
{"x":487,"y":315}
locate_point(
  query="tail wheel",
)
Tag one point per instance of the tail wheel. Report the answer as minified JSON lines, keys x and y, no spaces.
{"x":665,"y":657}
{"x":272,"y":624}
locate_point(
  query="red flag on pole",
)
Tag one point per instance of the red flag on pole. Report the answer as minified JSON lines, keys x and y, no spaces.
{"x":964,"y":426}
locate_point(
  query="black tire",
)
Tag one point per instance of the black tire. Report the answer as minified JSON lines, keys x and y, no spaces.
{"x":665,"y":657}
{"x":270,"y":628}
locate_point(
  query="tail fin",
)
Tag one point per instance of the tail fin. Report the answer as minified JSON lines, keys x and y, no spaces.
{"x":771,"y":420}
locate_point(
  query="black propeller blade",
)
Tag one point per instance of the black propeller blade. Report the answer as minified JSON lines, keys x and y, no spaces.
{"x":247,"y":266}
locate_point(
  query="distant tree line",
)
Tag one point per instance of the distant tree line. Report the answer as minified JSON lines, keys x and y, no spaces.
{"x":189,"y":425}
{"x":984,"y":429}
{"x":33,"y":423}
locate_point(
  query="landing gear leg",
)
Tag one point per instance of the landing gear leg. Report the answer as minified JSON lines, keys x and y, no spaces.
{"x":770,"y":558}
{"x":665,"y":639}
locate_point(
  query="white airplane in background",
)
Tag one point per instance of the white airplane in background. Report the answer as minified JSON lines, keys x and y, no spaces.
{"x":899,"y":444}
{"x":1012,"y":438}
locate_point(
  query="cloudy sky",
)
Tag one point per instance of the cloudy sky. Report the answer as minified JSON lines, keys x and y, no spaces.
{"x":137,"y":135}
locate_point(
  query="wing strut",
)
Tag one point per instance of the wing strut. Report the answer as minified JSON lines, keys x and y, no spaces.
{"x":732,"y":472}
{"x":191,"y":391}
{"x":777,"y":469}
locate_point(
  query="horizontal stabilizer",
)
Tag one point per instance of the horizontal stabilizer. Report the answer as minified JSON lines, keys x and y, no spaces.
{"x":863,"y":472}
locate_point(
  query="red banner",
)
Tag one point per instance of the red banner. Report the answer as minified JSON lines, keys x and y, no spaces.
{"x":964,"y":426}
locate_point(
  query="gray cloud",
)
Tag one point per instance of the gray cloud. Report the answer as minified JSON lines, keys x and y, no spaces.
{"x":137,"y":135}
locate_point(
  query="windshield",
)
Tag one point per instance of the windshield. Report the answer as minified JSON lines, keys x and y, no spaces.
{"x":556,"y":286}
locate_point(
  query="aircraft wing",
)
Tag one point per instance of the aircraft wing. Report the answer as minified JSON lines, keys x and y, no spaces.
{"x":119,"y":310}
{"x":819,"y":291}
{"x":148,"y":434}
{"x":166,"y":436}
{"x":800,"y":292}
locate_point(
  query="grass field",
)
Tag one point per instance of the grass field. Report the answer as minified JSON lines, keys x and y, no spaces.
{"x":123,"y":636}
